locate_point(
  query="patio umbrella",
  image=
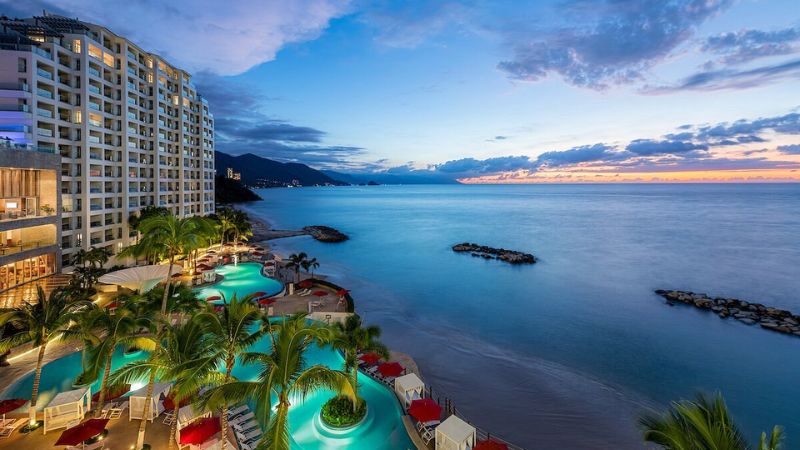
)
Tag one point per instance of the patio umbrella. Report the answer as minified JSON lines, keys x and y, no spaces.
{"x":82,"y":432}
{"x":390,"y":369}
{"x":305,"y":284}
{"x":200,"y":431}
{"x":112,"y":305}
{"x":9,"y":405}
{"x":258,"y":254}
{"x":342,"y":292}
{"x":425,"y":410}
{"x":204,"y":267}
{"x":113,"y":393}
{"x":258,"y":294}
{"x":213,"y":297}
{"x":319,"y":293}
{"x":266,"y":301}
{"x":370,"y":358}
{"x":490,"y":444}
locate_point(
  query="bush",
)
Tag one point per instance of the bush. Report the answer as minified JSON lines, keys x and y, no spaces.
{"x":338,"y":412}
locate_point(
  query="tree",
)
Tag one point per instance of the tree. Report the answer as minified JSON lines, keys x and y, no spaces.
{"x":296,"y":261}
{"x":231,"y":334}
{"x":352,"y":337}
{"x":701,"y":424}
{"x":41,"y":322}
{"x":225,"y":220}
{"x":102,"y":331}
{"x":309,"y":265}
{"x":181,"y":356}
{"x":283,"y":375}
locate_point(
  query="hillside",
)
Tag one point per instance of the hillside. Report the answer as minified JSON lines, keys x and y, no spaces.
{"x":262,"y":172}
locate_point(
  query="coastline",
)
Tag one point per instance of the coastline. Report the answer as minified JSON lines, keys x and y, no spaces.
{"x":603,"y":415}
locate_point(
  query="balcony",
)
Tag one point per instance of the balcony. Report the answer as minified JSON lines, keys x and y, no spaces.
{"x":44,"y":93}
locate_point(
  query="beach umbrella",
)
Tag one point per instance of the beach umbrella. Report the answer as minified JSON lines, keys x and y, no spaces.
{"x":118,"y":392}
{"x":305,"y":284}
{"x":342,"y":292}
{"x":425,"y":410}
{"x":370,"y":358}
{"x":204,"y":267}
{"x":112,"y":305}
{"x":200,"y":431}
{"x":390,"y":369}
{"x":490,"y":444}
{"x":266,"y":301}
{"x":87,"y":430}
{"x":319,"y":293}
{"x":258,"y":254}
{"x":258,"y":294}
{"x":213,"y":298}
{"x":9,"y":405}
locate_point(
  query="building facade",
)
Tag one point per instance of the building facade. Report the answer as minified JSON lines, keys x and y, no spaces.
{"x":131,"y":129}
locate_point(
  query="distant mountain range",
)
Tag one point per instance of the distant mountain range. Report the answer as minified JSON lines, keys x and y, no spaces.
{"x":258,"y":171}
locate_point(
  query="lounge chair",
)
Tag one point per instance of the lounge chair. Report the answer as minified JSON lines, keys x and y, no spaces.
{"x":304,"y":293}
{"x":241,"y":419}
{"x":238,"y":410}
{"x":169,"y":418}
{"x":248,"y":437}
{"x":9,"y":428}
{"x":116,"y":412}
{"x":427,"y":436}
{"x":247,"y":426}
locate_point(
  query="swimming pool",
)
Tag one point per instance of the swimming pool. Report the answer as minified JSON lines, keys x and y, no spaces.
{"x":242,"y":279}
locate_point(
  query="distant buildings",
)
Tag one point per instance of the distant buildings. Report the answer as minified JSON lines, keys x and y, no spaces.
{"x":93,"y":129}
{"x":234,"y":175}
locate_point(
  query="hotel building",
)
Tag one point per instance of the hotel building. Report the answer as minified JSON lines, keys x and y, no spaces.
{"x":128,"y":130}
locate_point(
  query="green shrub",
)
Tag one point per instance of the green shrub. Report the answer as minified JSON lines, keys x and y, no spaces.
{"x":338,"y":412}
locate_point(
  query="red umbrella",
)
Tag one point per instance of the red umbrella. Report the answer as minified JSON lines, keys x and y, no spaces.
{"x":342,"y":292}
{"x":6,"y":406}
{"x":390,"y":369}
{"x":258,"y":254}
{"x":266,"y":301}
{"x":425,"y":410}
{"x":370,"y":358}
{"x":305,"y":284}
{"x":213,"y":297}
{"x":218,"y":308}
{"x":200,"y":431}
{"x":112,"y":394}
{"x":319,"y":293}
{"x":82,"y":432}
{"x":258,"y":294}
{"x":169,"y":403}
{"x":204,"y":267}
{"x":490,"y":445}
{"x":112,"y":305}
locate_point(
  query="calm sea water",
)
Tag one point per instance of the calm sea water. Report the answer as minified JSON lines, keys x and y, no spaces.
{"x":568,"y":352}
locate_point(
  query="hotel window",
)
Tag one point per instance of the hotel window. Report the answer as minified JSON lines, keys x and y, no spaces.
{"x":95,"y":52}
{"x":26,"y":270}
{"x":78,"y":117}
{"x":108,"y":59}
{"x":22,"y":65}
{"x":76,"y":46}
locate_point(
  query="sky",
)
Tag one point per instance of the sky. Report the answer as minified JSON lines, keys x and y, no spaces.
{"x":488,"y":91}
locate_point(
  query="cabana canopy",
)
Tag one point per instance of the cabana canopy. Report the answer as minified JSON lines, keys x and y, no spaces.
{"x":408,"y":388}
{"x":67,"y":407}
{"x":189,"y":414}
{"x":455,"y":434}
{"x":142,"y":278}
{"x":138,"y":398}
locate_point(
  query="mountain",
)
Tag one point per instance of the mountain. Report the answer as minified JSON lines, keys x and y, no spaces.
{"x":411,"y":177}
{"x":262,"y":172}
{"x":227,"y":190}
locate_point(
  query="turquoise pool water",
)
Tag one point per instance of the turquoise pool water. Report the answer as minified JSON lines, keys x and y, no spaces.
{"x":242,"y":279}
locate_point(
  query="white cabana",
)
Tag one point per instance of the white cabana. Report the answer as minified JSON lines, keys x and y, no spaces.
{"x":408,"y":388}
{"x":138,"y":399}
{"x":189,"y":414}
{"x":67,"y":408}
{"x":142,"y":278}
{"x":455,"y":434}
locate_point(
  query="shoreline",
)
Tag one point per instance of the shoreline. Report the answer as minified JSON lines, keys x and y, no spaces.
{"x":569,"y":398}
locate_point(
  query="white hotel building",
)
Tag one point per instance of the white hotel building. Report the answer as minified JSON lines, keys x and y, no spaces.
{"x":131,"y":129}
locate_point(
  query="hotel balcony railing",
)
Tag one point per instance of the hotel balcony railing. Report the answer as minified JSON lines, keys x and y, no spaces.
{"x":8,"y":248}
{"x":44,"y":93}
{"x":95,"y":241}
{"x":44,"y":132}
{"x":43,"y":53}
{"x":44,"y":74}
{"x":96,"y":207}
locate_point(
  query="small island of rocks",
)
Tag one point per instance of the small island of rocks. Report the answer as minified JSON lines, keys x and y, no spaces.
{"x":501,"y":254}
{"x":325,"y":234}
{"x":767,"y":317}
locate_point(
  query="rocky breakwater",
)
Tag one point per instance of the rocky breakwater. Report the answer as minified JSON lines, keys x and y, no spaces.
{"x":767,"y":317}
{"x":482,"y":251}
{"x":325,"y":234}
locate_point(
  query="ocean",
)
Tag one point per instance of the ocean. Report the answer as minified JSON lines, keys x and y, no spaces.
{"x":568,"y":352}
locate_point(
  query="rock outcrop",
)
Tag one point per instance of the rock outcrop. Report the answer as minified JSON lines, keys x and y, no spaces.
{"x":775,"y":319}
{"x":482,"y":251}
{"x":325,"y":234}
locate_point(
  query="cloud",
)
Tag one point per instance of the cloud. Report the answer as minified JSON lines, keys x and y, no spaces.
{"x":576,"y":155}
{"x":793,"y":149}
{"x":475,"y":167}
{"x":650,"y":147}
{"x":408,"y":24}
{"x":747,"y":45}
{"x":226,"y":38}
{"x":606,"y":43}
{"x":714,"y":80}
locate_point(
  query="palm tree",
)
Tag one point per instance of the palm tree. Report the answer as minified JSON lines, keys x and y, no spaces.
{"x":231,"y":332}
{"x":283,"y":374}
{"x":296,"y":261}
{"x":102,"y":331}
{"x":352,"y":337}
{"x":309,"y":265}
{"x":701,"y":424}
{"x":41,"y":323}
{"x":181,"y":356}
{"x":226,"y":223}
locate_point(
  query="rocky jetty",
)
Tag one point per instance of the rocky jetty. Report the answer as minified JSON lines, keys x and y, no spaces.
{"x":774,"y":319}
{"x":325,"y":234}
{"x":482,"y":251}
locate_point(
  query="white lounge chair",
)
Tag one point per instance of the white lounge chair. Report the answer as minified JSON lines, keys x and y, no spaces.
{"x":238,"y":410}
{"x":169,"y":417}
{"x":247,"y":437}
{"x":243,"y":428}
{"x":427,"y":436}
{"x":304,"y":293}
{"x":241,"y":419}
{"x":116,"y":412}
{"x":9,"y":428}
